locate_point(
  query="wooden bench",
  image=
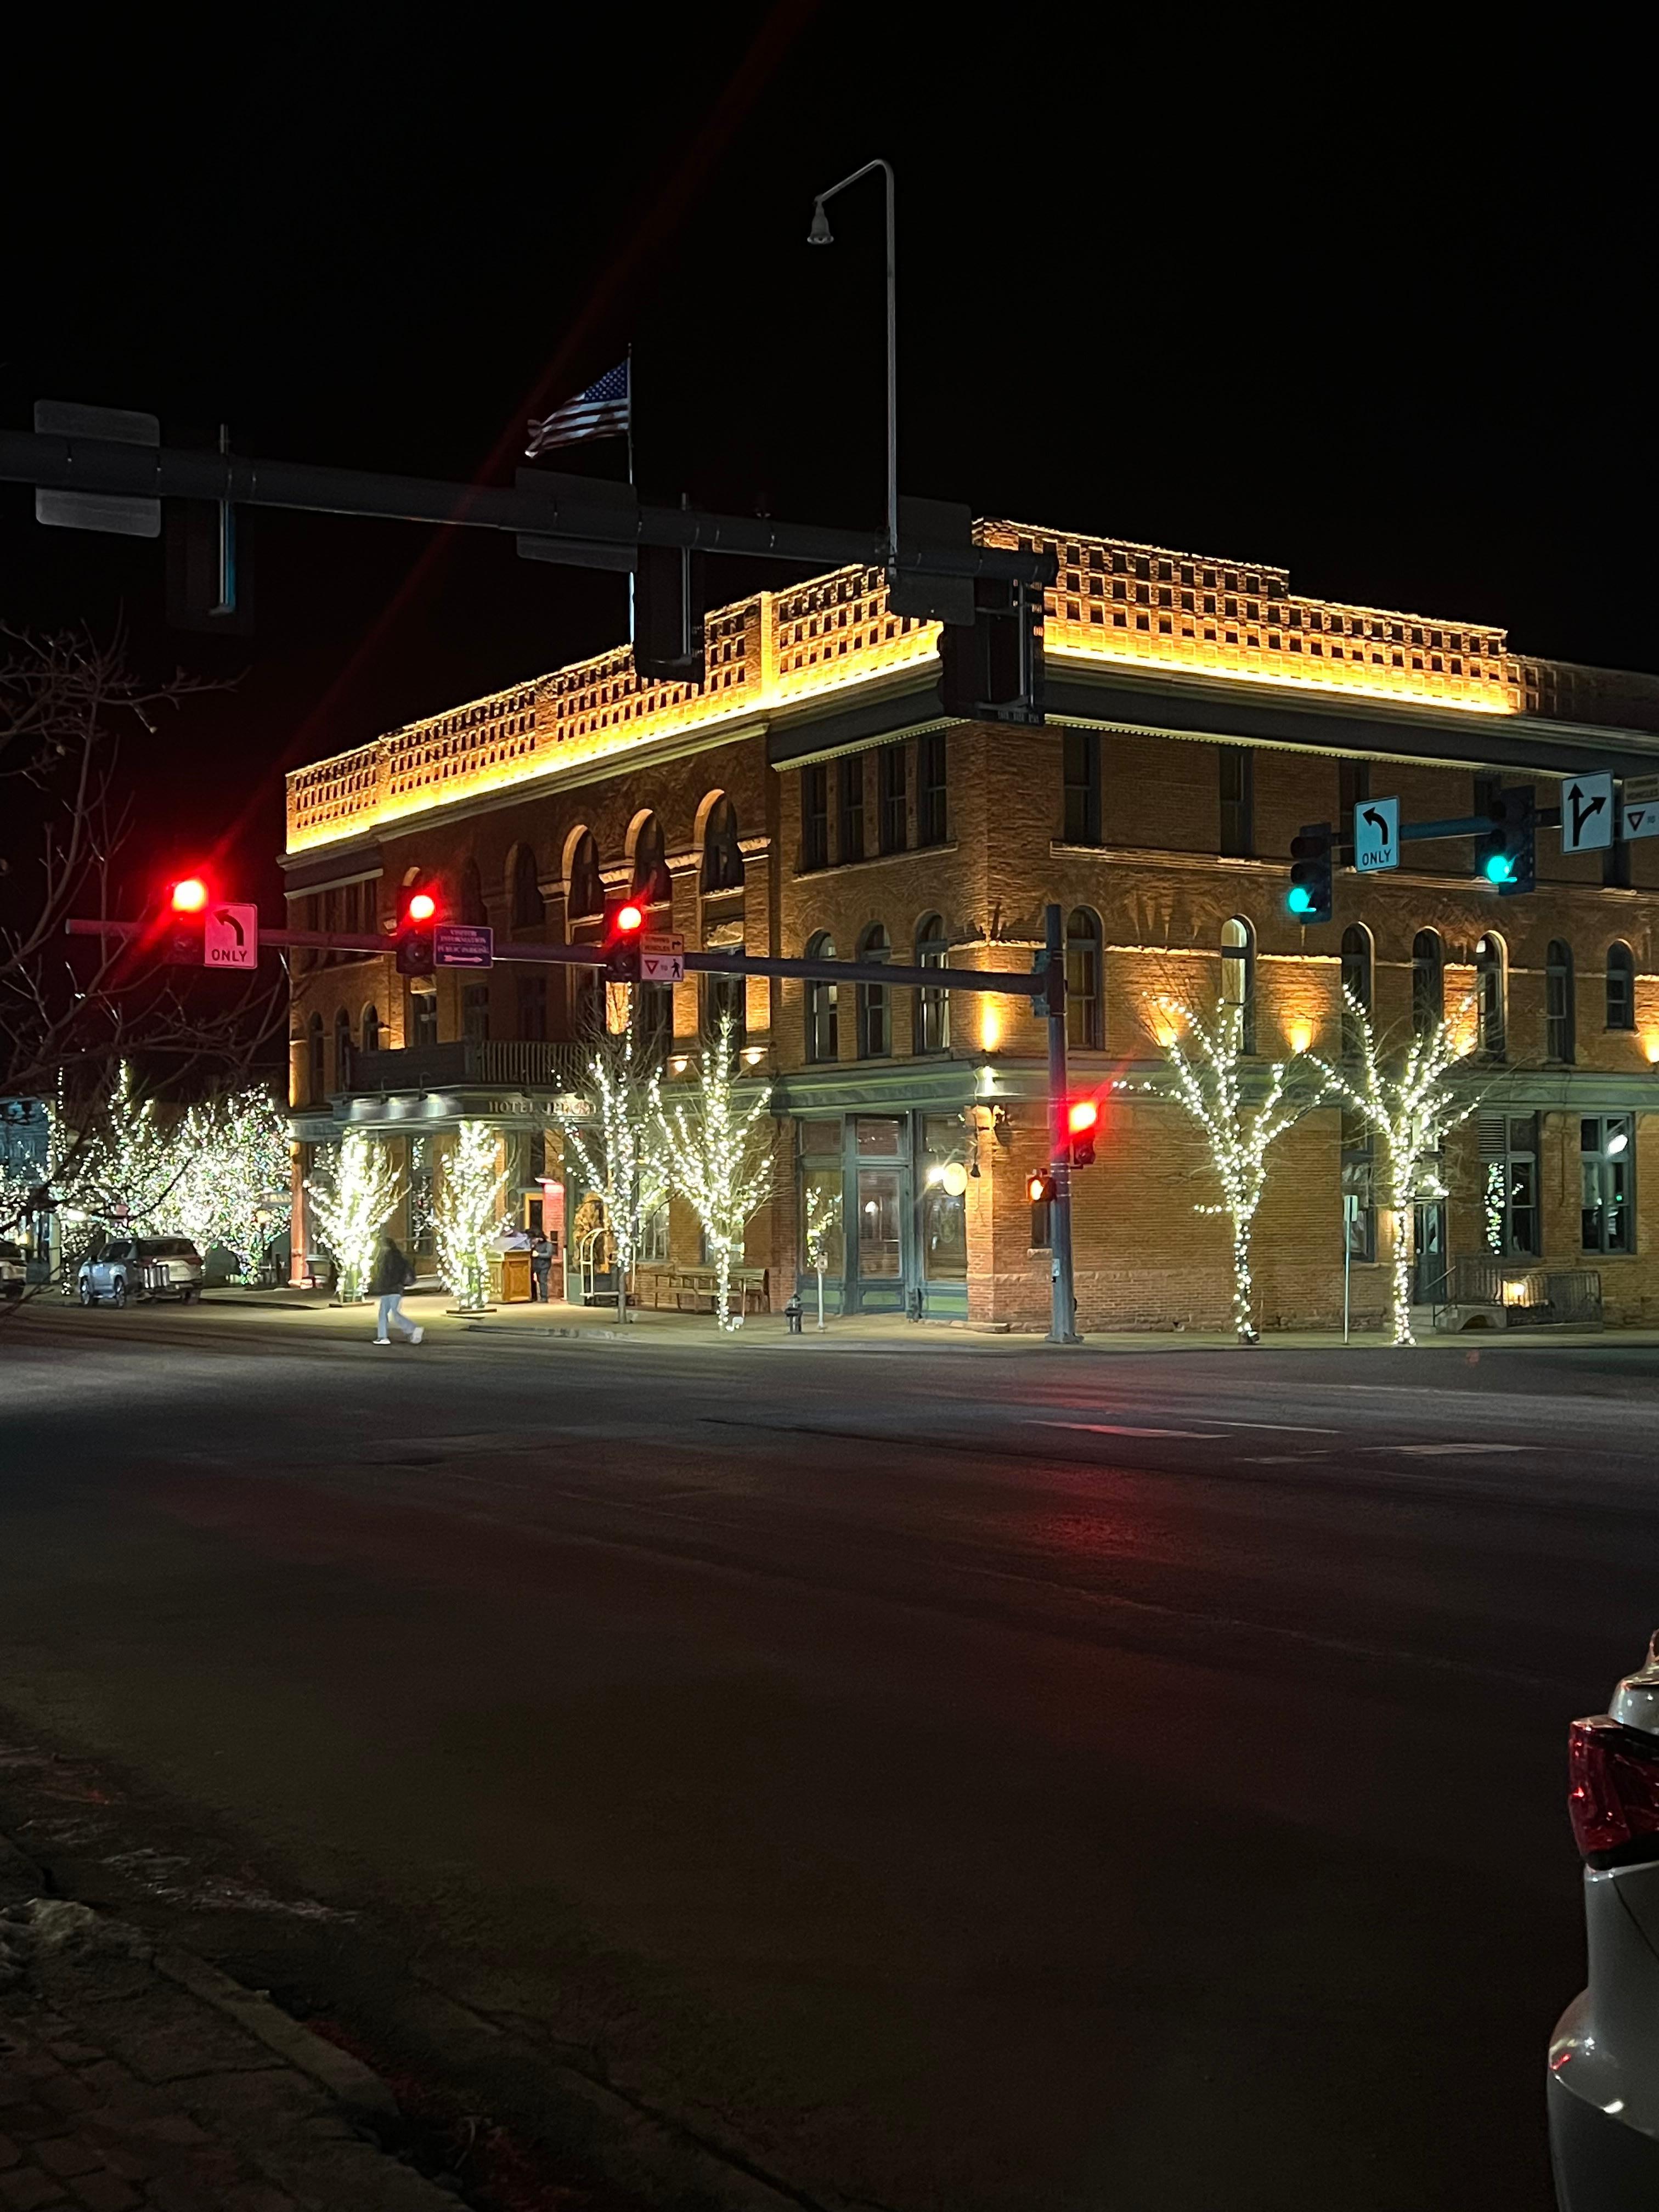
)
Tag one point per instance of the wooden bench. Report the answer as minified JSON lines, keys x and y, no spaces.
{"x":695,"y":1290}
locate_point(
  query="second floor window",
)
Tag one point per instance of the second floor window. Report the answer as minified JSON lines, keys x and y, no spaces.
{"x":815,"y":816}
{"x":932,"y":821}
{"x":1492,"y":997}
{"x":1080,"y":823}
{"x":852,"y":807}
{"x":1559,"y":1023}
{"x":1605,"y":1146}
{"x":933,"y":1001}
{"x":823,"y":1007}
{"x":1085,"y":1012}
{"x":422,"y":1017}
{"x":1238,"y":976}
{"x":475,"y":1013}
{"x":1509,"y":1169}
{"x":1238,"y":773}
{"x":1428,"y":982}
{"x":894,"y":828}
{"x":875,"y":1000}
{"x":533,"y":1009}
{"x":1356,"y":987}
{"x":1621,"y":987}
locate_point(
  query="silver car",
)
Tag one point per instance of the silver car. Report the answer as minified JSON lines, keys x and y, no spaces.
{"x":1604,"y":2057}
{"x":142,"y":1268}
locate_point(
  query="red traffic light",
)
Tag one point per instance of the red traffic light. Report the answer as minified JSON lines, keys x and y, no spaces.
{"x":422,"y":906}
{"x":627,"y":918}
{"x":1081,"y":1115}
{"x":189,"y":895}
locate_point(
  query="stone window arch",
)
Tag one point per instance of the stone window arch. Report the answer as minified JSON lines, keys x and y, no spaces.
{"x":1238,"y":976}
{"x":722,"y":855}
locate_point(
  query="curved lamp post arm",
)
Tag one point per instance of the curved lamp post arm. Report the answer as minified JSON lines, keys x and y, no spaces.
{"x":821,"y":235}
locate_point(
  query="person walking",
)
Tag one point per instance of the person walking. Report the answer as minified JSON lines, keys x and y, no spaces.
{"x":541,"y":1268}
{"x":391,"y":1277}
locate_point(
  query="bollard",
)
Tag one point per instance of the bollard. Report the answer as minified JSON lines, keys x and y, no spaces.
{"x":792,"y":1314}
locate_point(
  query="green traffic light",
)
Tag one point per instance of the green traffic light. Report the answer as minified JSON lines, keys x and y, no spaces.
{"x":1300,"y":900}
{"x":1499,"y":868}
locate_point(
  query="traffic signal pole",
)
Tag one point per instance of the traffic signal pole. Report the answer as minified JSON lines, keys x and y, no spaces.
{"x":1062,"y":1321}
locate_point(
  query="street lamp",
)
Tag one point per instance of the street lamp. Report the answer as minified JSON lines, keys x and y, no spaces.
{"x":821,"y":235}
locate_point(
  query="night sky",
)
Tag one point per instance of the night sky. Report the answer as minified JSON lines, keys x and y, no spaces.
{"x":1366,"y":296}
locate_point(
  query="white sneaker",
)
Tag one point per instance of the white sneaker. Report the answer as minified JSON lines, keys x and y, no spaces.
{"x":382,"y":1339}
{"x":418,"y":1334}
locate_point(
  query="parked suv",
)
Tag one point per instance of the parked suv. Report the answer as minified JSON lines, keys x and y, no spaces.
{"x":14,"y":1269}
{"x":1604,"y":2056}
{"x":142,"y":1268}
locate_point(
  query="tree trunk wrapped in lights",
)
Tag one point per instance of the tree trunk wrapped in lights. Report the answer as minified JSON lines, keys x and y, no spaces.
{"x":351,"y":1201}
{"x":823,"y":1212}
{"x":234,"y":1184}
{"x":620,"y":1148}
{"x":465,"y":1214}
{"x":1409,"y":1105}
{"x":719,"y":1159}
{"x":1206,"y":1065}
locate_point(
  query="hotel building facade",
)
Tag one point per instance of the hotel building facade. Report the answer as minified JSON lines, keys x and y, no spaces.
{"x":813,"y":796}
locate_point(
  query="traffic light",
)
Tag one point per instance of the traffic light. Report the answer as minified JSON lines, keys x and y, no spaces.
{"x":992,"y":671}
{"x":1082,"y":1120}
{"x":416,"y":918}
{"x":625,"y":924}
{"x":1040,"y":1187}
{"x":1308,"y":898}
{"x":187,"y":921}
{"x":1507,"y":855}
{"x":668,"y":609}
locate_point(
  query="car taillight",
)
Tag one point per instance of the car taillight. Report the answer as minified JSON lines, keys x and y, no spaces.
{"x":1614,"y":1798}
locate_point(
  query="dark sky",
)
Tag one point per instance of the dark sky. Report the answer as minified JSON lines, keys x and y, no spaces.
{"x":1365,"y":294}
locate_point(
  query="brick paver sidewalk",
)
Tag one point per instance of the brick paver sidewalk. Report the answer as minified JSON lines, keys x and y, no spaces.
{"x":130,"y":2078}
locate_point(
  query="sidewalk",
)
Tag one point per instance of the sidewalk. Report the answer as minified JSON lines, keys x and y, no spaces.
{"x":133,"y":2077}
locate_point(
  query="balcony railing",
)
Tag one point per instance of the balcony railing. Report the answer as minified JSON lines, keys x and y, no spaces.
{"x":528,"y":1066}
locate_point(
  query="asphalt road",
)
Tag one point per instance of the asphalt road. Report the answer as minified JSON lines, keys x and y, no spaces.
{"x":950,"y":1776}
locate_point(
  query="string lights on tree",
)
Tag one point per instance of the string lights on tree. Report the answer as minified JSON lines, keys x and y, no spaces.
{"x":620,"y":1148}
{"x":1239,"y":1133}
{"x":821,"y":1215}
{"x":352,"y":1199}
{"x":464,"y":1214}
{"x":1410,"y":1107}
{"x":719,"y":1154}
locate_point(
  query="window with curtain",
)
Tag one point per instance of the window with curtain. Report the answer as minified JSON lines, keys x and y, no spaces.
{"x":1238,"y":976}
{"x":823,"y":1006}
{"x":1621,"y":987}
{"x":875,"y":1000}
{"x":1085,"y":1009}
{"x":1558,"y":1024}
{"x":528,"y":912}
{"x":586,"y":896}
{"x":1428,"y":981}
{"x":722,"y":855}
{"x":932,"y":1000}
{"x":651,"y":879}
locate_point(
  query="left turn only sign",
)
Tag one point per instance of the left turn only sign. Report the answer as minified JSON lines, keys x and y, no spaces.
{"x":230,"y":936}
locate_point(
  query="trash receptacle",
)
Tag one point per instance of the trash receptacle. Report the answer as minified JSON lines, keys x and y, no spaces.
{"x":792,"y":1314}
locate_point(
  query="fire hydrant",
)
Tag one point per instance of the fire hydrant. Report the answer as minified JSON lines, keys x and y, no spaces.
{"x":792,"y":1314}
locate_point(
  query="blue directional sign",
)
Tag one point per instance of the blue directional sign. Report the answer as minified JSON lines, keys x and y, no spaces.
{"x":463,"y":944}
{"x":1376,"y":834}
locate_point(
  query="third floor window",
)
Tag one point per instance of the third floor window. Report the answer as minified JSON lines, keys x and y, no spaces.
{"x":893,"y":825}
{"x":1236,"y":771}
{"x":852,"y":807}
{"x":1080,"y":825}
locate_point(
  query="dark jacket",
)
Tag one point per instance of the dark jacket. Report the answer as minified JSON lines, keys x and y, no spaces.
{"x":391,"y":1271}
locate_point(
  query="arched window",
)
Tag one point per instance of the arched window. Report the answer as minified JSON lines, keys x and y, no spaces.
{"x":1621,"y":987}
{"x":1559,"y":1026}
{"x":316,"y":1070}
{"x":1428,"y":982}
{"x":651,"y":881}
{"x":371,"y":1029}
{"x":823,"y":1008}
{"x":587,"y":896}
{"x":932,"y":1000}
{"x":528,"y":912}
{"x":1356,"y":986}
{"x":341,"y":1049}
{"x":473,"y":909}
{"x":1085,"y":1011}
{"x":1491,"y":996}
{"x":722,"y":855}
{"x":875,"y":1000}
{"x":1238,"y":976}
{"x":724,"y":997}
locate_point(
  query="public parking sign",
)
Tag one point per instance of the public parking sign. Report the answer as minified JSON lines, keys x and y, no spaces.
{"x":463,"y":944}
{"x":230,"y":936}
{"x":662,"y":959}
{"x":1376,"y":834}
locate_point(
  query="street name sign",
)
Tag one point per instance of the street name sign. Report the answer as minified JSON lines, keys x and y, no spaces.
{"x":230,"y":936}
{"x":1586,"y":813}
{"x":1639,"y":817}
{"x":1376,"y":834}
{"x":662,"y":959}
{"x":463,"y":944}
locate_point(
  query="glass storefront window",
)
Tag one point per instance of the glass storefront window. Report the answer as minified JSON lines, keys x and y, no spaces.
{"x":821,"y":1222}
{"x":879,"y":1139}
{"x":879,"y":1229}
{"x":944,"y":1223}
{"x":820,"y":1141}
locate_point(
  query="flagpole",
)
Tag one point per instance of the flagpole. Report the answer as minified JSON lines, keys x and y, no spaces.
{"x":631,"y":635}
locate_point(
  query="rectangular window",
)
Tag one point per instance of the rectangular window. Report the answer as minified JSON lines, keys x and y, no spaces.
{"x":943,"y":1221}
{"x":474,"y":1012}
{"x":654,"y":1238}
{"x":890,"y":776}
{"x":815,"y":816}
{"x":423,"y":1018}
{"x":1080,"y":825}
{"x":1236,"y":769}
{"x":1353,"y":788}
{"x":852,"y":807}
{"x":879,"y":1230}
{"x":1509,"y":1168}
{"x":1607,"y":1144}
{"x":932,"y":826}
{"x":533,"y":1009}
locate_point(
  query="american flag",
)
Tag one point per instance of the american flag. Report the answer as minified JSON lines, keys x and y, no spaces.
{"x":601,"y":411}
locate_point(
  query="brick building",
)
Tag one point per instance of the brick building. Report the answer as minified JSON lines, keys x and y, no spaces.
{"x":814,"y":795}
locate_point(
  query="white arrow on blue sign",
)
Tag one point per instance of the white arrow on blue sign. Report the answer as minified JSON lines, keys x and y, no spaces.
{"x":1376,"y":834}
{"x":1586,"y":813}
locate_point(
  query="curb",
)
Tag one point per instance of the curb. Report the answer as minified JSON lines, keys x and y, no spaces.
{"x":345,"y":2078}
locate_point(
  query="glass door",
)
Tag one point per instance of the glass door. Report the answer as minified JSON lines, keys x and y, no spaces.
{"x":880,"y":1176}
